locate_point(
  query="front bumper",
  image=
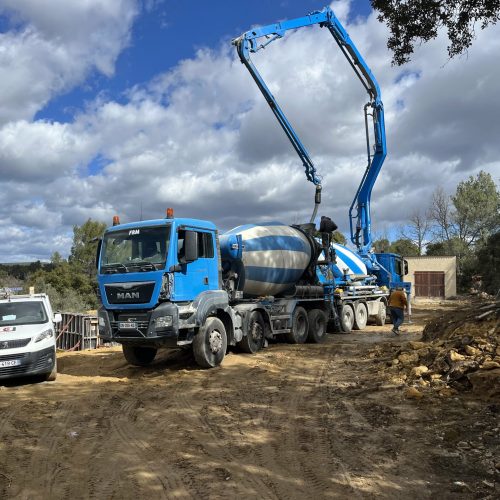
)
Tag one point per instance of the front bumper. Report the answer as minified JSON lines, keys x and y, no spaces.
{"x":28,"y":363}
{"x":143,"y":331}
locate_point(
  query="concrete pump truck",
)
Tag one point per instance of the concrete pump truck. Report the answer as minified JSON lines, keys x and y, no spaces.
{"x":174,"y":282}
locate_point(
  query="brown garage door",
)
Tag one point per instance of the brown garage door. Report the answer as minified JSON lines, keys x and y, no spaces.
{"x":429,"y":283}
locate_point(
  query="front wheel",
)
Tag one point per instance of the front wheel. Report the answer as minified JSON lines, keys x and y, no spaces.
{"x":52,"y":375}
{"x":317,"y":326}
{"x":210,"y":343}
{"x":139,"y":355}
{"x":300,"y":327}
{"x":254,"y":339}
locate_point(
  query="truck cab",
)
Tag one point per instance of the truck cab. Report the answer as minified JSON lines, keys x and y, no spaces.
{"x":27,"y":336}
{"x":394,"y":269}
{"x":151,"y":275}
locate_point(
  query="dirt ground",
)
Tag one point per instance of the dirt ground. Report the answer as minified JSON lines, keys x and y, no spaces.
{"x":292,"y":422}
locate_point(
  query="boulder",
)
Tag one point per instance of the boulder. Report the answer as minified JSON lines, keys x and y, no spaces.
{"x":415,"y":345}
{"x":490,"y":365}
{"x":418,"y":371}
{"x":486,"y":382}
{"x":472,"y":351}
{"x":408,"y":358}
{"x":454,"y":356}
{"x":413,"y":393}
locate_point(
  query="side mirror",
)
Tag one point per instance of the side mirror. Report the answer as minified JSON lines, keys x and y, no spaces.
{"x":406,"y":267}
{"x":98,"y":253}
{"x":57,"y":318}
{"x":190,"y":246}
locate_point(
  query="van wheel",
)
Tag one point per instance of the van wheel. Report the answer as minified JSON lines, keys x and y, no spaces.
{"x":139,"y":355}
{"x":300,"y":327}
{"x":317,"y":326}
{"x":210,"y":343}
{"x":254,"y":339}
{"x":347,"y":318}
{"x":360,"y":316}
{"x":52,"y":375}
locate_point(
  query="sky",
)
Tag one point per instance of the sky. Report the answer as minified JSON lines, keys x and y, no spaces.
{"x":128,"y":107}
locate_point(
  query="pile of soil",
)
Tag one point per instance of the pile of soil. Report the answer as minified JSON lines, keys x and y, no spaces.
{"x":459,"y":351}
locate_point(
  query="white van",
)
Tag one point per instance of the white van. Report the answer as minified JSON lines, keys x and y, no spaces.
{"x":27,"y":336}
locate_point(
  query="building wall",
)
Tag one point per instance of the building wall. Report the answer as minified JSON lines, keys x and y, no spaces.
{"x":446,"y":264}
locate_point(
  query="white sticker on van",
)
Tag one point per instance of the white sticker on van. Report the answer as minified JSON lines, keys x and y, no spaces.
{"x":8,"y":329}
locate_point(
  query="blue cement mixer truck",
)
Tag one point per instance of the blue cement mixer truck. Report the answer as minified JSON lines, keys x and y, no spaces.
{"x":176,"y":282}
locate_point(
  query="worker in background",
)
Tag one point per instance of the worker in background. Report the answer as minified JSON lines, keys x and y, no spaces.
{"x":397,"y":305}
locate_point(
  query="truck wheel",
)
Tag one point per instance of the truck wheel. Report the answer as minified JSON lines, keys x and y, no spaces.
{"x":52,"y":375}
{"x":210,"y":343}
{"x":317,"y":326}
{"x":139,"y":355}
{"x":347,"y":318}
{"x":254,"y":339}
{"x":300,"y":327}
{"x":360,"y":316}
{"x":381,"y":314}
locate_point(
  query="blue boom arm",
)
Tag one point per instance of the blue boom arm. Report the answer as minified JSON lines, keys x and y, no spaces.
{"x":359,"y":212}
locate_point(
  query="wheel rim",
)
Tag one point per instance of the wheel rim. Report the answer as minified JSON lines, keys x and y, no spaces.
{"x":348,"y":316}
{"x":301,"y":326}
{"x":215,"y":341}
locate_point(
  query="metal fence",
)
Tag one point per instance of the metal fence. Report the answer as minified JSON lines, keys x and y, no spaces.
{"x":77,"y":332}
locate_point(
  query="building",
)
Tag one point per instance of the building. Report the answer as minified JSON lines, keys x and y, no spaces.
{"x":432,"y":276}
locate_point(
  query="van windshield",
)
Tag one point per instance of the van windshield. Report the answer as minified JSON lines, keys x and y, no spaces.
{"x":135,"y":250}
{"x":22,"y":313}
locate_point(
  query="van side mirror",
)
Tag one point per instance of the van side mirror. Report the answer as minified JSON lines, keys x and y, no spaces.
{"x":406,"y":267}
{"x":57,"y":318}
{"x":190,"y":246}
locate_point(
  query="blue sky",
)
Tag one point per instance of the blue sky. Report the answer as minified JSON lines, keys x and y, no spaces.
{"x":130,"y":106}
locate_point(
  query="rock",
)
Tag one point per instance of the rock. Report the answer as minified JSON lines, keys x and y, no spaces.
{"x":426,"y":356}
{"x":418,"y":371}
{"x":440,"y":365}
{"x":412,"y":393}
{"x":490,"y":365}
{"x":498,"y":350}
{"x":407,"y":358}
{"x":447,"y":392}
{"x":458,"y":370}
{"x":472,"y":351}
{"x":455,"y":356}
{"x":486,"y":382}
{"x":417,"y":345}
{"x":395,"y":362}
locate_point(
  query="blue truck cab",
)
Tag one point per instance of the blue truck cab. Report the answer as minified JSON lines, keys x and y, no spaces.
{"x":158,"y":281}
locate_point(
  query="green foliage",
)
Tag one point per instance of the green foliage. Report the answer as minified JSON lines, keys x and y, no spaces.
{"x":487,"y":264}
{"x":83,"y":250}
{"x":382,"y":245}
{"x":339,"y":238}
{"x":416,"y":21}
{"x":405,"y":248}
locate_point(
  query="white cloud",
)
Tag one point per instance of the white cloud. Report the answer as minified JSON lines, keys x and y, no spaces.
{"x":201,"y":138}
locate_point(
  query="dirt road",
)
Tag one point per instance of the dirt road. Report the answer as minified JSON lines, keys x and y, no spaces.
{"x":309,"y":421}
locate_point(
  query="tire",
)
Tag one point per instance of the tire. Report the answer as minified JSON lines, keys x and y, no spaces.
{"x":52,"y":375}
{"x":347,"y":318}
{"x":360,"y":316}
{"x":210,"y":343}
{"x":139,"y":355}
{"x":381,"y":314}
{"x":317,"y":326}
{"x":254,"y":339}
{"x":300,"y":327}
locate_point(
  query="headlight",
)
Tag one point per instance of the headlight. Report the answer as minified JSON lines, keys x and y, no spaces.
{"x":44,"y":335}
{"x":163,"y":322}
{"x":101,"y":321}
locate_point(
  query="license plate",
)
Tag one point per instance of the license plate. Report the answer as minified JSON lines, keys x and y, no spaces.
{"x":10,"y":362}
{"x":127,"y":325}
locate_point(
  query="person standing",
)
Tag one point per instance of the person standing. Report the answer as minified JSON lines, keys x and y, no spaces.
{"x":397,"y":305}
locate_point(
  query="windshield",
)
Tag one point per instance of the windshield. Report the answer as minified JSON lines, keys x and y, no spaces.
{"x":135,"y":250}
{"x":22,"y":313}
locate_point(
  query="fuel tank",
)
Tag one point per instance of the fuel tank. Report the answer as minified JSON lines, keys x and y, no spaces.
{"x":268,"y":258}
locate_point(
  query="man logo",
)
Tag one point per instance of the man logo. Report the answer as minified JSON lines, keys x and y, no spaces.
{"x":127,"y":295}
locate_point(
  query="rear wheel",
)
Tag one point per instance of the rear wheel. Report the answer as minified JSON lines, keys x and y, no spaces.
{"x":360,"y":316}
{"x":381,"y":314}
{"x":139,"y":355}
{"x":254,"y":339}
{"x":317,"y":326}
{"x":300,"y":327}
{"x":347,"y":318}
{"x":210,"y":343}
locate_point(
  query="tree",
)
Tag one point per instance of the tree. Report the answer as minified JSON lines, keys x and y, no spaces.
{"x":415,"y":21}
{"x":417,"y":229}
{"x":381,"y":245}
{"x":84,"y":245}
{"x":487,"y":264}
{"x":339,"y":238}
{"x":404,"y":247}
